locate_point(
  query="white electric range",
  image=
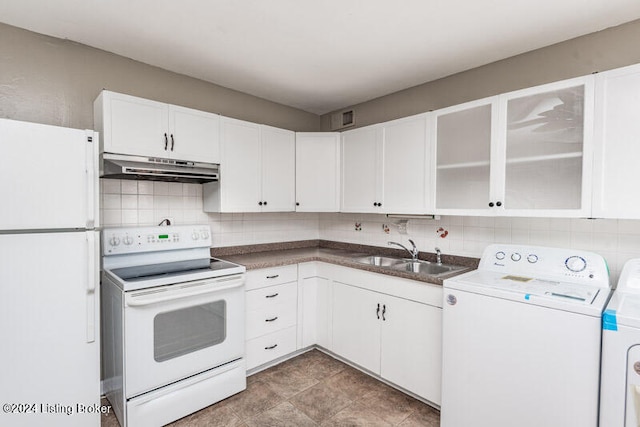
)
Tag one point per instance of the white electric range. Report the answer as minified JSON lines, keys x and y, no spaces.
{"x":173,"y":323}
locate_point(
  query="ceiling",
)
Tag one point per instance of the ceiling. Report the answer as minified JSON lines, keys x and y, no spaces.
{"x":317,"y":55}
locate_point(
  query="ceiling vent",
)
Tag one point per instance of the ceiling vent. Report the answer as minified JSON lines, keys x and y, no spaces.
{"x":342,"y":120}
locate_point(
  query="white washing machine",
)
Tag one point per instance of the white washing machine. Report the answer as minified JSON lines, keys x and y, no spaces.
{"x":522,"y":339}
{"x":620,"y":383}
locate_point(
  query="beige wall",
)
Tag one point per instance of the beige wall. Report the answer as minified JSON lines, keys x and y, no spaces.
{"x":54,"y":81}
{"x":604,"y":50}
{"x":49,"y":80}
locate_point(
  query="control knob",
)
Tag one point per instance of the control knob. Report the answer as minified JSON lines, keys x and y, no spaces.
{"x":532,"y":258}
{"x":204,"y":235}
{"x":195,"y":235}
{"x":516,"y":257}
{"x":500,"y":255}
{"x":127,"y":240}
{"x":114,"y":241}
{"x":575,"y":263}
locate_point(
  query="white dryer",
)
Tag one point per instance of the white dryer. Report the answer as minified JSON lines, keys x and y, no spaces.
{"x":522,"y":339}
{"x":620,"y":382}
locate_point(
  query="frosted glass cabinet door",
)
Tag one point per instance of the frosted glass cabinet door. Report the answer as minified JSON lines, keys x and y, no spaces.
{"x":544,"y":150}
{"x":463,"y":151}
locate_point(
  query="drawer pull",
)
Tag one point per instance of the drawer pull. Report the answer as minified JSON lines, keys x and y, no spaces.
{"x":271,"y":320}
{"x":271,"y":347}
{"x":271,"y":296}
{"x":273,"y":277}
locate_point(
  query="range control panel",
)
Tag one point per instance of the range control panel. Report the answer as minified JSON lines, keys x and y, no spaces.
{"x":125,"y":240}
{"x":569,"y":265}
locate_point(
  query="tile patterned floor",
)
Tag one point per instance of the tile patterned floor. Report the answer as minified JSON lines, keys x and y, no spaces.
{"x":312,"y":389}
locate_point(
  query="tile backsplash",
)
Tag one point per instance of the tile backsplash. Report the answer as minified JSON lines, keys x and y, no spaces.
{"x":147,"y":203}
{"x":126,"y":202}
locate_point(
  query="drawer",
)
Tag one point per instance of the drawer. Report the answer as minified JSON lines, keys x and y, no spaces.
{"x":272,"y":296}
{"x":270,"y":319}
{"x":271,"y":276}
{"x":269,"y":347}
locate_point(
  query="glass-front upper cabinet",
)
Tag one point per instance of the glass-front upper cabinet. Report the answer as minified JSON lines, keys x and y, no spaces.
{"x":523,"y":153}
{"x":463,"y":136}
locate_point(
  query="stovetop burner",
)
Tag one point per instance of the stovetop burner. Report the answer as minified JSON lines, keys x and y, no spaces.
{"x":145,"y":257}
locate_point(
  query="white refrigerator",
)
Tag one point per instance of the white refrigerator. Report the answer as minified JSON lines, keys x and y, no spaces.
{"x":49,"y":252}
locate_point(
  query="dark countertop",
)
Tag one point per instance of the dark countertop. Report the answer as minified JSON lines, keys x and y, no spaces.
{"x":278,"y":254}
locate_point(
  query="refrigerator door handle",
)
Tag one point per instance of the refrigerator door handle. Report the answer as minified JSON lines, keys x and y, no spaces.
{"x":92,"y":180}
{"x":92,"y":280}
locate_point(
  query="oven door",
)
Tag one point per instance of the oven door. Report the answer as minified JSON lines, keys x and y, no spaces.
{"x":173,"y":332}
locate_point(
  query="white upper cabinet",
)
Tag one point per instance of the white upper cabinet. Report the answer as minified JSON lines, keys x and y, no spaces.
{"x":257,"y":170}
{"x":361,"y":184}
{"x":405,"y":165}
{"x":141,"y":127}
{"x":194,"y":135}
{"x":617,"y":144}
{"x":278,"y":169}
{"x":385,"y":167}
{"x":524,"y":153}
{"x":317,"y":171}
{"x":240,"y":183}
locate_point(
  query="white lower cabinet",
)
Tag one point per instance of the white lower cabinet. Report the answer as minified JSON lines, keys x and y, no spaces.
{"x":271,"y":314}
{"x":356,"y":325}
{"x":398,"y":339}
{"x":269,"y":347}
{"x":314,"y":308}
{"x":389,"y":326}
{"x":410,"y":347}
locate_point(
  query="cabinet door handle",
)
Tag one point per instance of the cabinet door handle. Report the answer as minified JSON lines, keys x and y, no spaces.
{"x":166,"y":142}
{"x":273,"y":277}
{"x":172,"y":142}
{"x":272,"y":296}
{"x":378,"y":312}
{"x":272,"y":319}
{"x":384,"y":310}
{"x":271,"y":347}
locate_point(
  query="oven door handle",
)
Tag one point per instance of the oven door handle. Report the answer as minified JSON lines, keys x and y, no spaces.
{"x":143,"y":298}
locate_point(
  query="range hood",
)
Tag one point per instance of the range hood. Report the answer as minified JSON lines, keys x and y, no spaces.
{"x":121,"y":166}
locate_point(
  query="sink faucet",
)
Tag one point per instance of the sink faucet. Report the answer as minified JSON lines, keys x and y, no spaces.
{"x":438,"y":256}
{"x":414,"y":251}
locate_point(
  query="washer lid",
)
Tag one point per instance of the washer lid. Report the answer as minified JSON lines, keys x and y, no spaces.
{"x":623,"y":309}
{"x":527,"y":287}
{"x":630,"y":277}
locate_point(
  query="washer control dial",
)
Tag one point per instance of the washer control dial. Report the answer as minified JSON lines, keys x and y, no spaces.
{"x":575,"y":263}
{"x":500,"y":255}
{"x":532,"y":258}
{"x":516,"y":257}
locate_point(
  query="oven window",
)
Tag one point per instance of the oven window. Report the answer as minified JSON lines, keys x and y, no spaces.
{"x":187,"y":330}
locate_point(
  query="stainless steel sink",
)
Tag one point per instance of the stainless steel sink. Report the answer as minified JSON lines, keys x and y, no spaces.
{"x":427,"y":268}
{"x":379,"y":261}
